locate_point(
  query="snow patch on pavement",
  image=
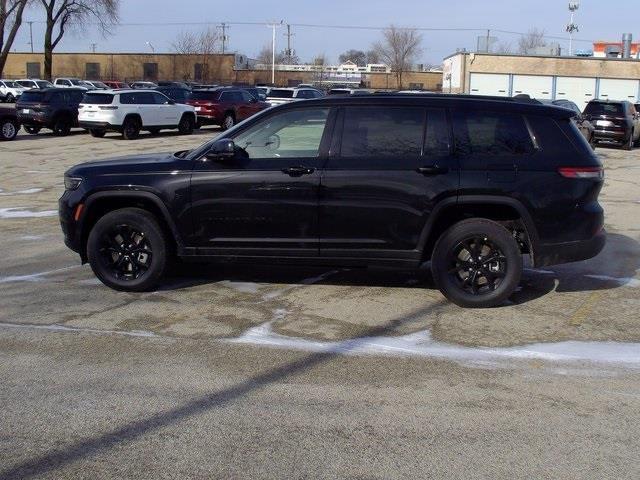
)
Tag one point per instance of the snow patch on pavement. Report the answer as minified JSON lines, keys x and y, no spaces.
{"x":243,"y":287}
{"x":34,"y":277}
{"x":622,"y":281}
{"x":22,"y":212}
{"x":421,"y":344}
{"x":27,"y":191}
{"x":64,"y":328}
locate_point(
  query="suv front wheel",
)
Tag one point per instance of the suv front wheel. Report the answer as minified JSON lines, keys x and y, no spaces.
{"x":477,"y":263}
{"x":185,"y":127}
{"x":127,"y":250}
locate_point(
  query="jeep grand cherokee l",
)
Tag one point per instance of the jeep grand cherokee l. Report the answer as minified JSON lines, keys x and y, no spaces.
{"x":614,"y":122}
{"x":468,"y":183}
{"x":53,"y":108}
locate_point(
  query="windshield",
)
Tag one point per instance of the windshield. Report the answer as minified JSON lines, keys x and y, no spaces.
{"x":12,"y":85}
{"x":43,"y":84}
{"x":276,"y":93}
{"x":99,"y":84}
{"x":601,"y":108}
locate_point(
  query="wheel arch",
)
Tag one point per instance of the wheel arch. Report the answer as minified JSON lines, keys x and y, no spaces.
{"x":505,"y":210}
{"x":101,"y":203}
{"x":130,"y":116}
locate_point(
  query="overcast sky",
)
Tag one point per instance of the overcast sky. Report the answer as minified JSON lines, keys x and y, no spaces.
{"x":598,"y":20}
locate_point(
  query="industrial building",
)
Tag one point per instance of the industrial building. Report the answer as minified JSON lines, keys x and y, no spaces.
{"x":578,"y":79}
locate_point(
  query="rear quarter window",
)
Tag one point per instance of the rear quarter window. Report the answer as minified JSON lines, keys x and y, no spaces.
{"x":560,"y":142}
{"x":490,"y":134}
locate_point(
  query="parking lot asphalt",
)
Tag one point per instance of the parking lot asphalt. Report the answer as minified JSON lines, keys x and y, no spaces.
{"x":248,"y":371}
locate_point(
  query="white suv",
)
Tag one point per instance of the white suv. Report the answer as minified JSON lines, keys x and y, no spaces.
{"x":72,"y":82}
{"x":10,"y":91}
{"x":129,"y":111}
{"x":33,"y":83}
{"x":278,"y":96}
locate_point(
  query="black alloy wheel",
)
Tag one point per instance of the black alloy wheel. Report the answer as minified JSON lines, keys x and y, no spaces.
{"x":32,"y":130}
{"x":127,"y":250}
{"x":477,"y":263}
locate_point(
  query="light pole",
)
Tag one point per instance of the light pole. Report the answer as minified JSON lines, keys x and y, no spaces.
{"x":273,"y":27}
{"x":572,"y":27}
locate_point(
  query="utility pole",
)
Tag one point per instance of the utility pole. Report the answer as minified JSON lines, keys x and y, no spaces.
{"x":572,"y":27}
{"x":488,"y":37}
{"x":31,"y":35}
{"x":224,"y":27}
{"x":289,"y":50}
{"x":93,"y":47}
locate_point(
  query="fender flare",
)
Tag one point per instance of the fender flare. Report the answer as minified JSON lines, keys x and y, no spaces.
{"x":441,"y":206}
{"x":152,"y":197}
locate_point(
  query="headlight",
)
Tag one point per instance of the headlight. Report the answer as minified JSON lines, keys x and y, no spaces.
{"x":72,"y":183}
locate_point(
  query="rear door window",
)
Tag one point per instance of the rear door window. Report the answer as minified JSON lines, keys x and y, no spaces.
{"x":490,"y":134}
{"x":381,"y":137}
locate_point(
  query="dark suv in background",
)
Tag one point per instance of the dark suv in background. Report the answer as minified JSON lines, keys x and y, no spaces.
{"x":53,"y":108}
{"x":614,"y":122}
{"x":468,"y":183}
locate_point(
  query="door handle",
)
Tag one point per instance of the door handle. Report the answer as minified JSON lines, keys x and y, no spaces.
{"x":433,"y":170}
{"x":298,"y":171}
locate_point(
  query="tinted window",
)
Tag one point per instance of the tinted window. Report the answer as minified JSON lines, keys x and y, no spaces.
{"x":44,"y":84}
{"x":292,"y":134}
{"x":601,"y":108}
{"x":75,"y":97}
{"x":97,"y":98}
{"x":226,"y":97}
{"x":436,"y":142}
{"x":490,"y":133}
{"x":138,"y":98}
{"x":371,"y":132}
{"x":203,"y":96}
{"x":57,"y":97}
{"x":305,"y":94}
{"x":159,"y":99}
{"x":277,"y":93}
{"x":11,"y":84}
{"x":26,"y":83}
{"x":32,"y":96}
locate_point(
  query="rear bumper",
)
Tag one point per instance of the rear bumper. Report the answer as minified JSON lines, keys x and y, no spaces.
{"x":557,"y":253}
{"x":34,"y":120}
{"x":91,"y":125}
{"x":611,"y":135}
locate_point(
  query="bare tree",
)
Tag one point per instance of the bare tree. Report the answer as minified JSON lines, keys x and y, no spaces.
{"x":207,"y":47}
{"x":10,"y":20}
{"x":372,"y":57}
{"x":64,"y":14}
{"x":320,"y":60}
{"x":356,"y":56}
{"x":502,"y":47}
{"x":265,"y":56}
{"x":186,"y":46}
{"x":533,"y":39}
{"x":398,"y":49}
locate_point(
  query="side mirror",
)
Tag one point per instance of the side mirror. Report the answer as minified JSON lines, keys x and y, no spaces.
{"x":222,"y":149}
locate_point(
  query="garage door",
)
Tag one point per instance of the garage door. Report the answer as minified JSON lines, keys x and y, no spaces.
{"x":576,"y":89}
{"x":619,"y":89}
{"x":489,"y":84}
{"x":536,"y":86}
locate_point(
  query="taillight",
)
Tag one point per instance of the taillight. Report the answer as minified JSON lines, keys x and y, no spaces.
{"x":582,"y":172}
{"x":108,"y":107}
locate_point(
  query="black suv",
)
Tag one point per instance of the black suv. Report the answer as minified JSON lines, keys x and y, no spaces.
{"x":468,"y":183}
{"x":53,"y":108}
{"x":614,"y":122}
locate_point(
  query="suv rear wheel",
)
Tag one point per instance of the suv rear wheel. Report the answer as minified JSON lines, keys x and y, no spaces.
{"x":228,"y":122}
{"x":477,"y":263}
{"x":131,"y":129}
{"x":10,"y":98}
{"x":9,"y":129}
{"x":185,"y":127}
{"x":32,"y":130}
{"x":127,"y":250}
{"x":62,"y":126}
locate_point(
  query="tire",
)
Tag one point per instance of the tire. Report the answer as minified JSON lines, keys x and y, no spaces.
{"x":32,"y":130}
{"x":186,"y":125}
{"x":97,"y":132}
{"x":9,"y":129}
{"x":136,"y":266}
{"x":131,"y":129}
{"x":10,"y":98}
{"x":630,"y":143}
{"x":463,"y":278}
{"x":62,"y":126}
{"x":228,"y":122}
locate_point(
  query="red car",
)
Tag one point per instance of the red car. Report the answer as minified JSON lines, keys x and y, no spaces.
{"x":224,"y":106}
{"x":114,"y":84}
